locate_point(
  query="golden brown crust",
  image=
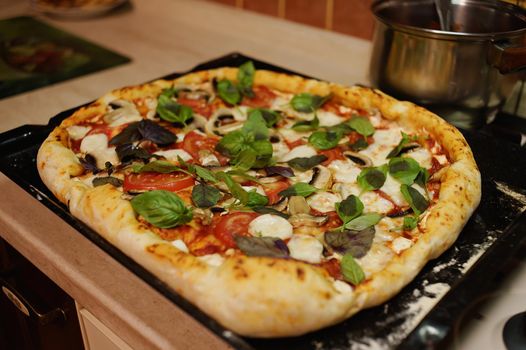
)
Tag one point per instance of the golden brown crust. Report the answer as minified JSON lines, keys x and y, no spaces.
{"x":266,"y":297}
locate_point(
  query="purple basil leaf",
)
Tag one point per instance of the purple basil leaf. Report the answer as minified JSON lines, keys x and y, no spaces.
{"x":262,"y":246}
{"x":279,"y":170}
{"x":128,"y":135}
{"x":89,"y":163}
{"x":128,"y":151}
{"x":157,"y":134}
{"x":357,"y":243}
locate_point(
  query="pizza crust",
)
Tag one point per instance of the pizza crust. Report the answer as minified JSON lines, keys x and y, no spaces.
{"x":256,"y":296}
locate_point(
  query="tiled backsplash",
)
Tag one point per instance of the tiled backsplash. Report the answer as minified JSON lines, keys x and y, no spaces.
{"x":351,"y":17}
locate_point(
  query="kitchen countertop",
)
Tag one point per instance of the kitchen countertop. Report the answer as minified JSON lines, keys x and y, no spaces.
{"x":161,"y":37}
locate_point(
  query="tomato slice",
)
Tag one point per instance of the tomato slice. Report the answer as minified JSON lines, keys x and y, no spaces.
{"x":332,"y":154}
{"x":273,"y":189}
{"x":194,"y":142}
{"x":263,"y":97}
{"x":227,"y":226}
{"x":155,"y":181}
{"x":199,"y":106}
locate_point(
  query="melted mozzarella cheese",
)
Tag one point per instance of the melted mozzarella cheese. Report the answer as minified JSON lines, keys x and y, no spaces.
{"x":346,"y":189}
{"x":324,"y":201}
{"x":384,"y":142}
{"x":400,"y":244}
{"x":302,"y":176}
{"x":212,"y":259}
{"x":172,"y":154}
{"x":305,"y":248}
{"x":280,"y":149}
{"x":254,"y":188}
{"x":375,"y":203}
{"x":303,"y":151}
{"x":97,"y":146}
{"x":328,"y":118}
{"x":344,"y":171}
{"x":342,"y":287}
{"x":124,"y":115}
{"x":422,"y":157}
{"x":293,"y":135}
{"x":269,"y":225}
{"x":179,"y":244}
{"x":376,"y":259}
{"x":391,"y":187}
{"x":76,"y":132}
{"x":441,"y":158}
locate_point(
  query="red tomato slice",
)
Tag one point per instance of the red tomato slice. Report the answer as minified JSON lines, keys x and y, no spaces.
{"x":156,"y":181}
{"x":332,"y":154}
{"x":194,"y":142}
{"x":272,"y":190}
{"x":199,"y":106}
{"x":233,"y":224}
{"x":263,"y":97}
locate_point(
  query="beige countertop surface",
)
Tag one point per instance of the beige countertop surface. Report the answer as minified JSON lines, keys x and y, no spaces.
{"x":161,"y":37}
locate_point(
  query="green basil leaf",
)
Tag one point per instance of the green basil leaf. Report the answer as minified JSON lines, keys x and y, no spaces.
{"x":363,"y":222}
{"x":256,"y":200}
{"x":158,"y":166}
{"x":228,"y":92}
{"x":362,"y":126}
{"x":99,"y":181}
{"x":404,"y":169}
{"x":307,"y":103}
{"x":357,"y":243}
{"x":325,"y":139}
{"x":306,"y":163}
{"x":298,"y":189}
{"x":262,"y":246}
{"x":417,"y":202}
{"x":235,"y":189}
{"x":410,"y":222}
{"x":205,"y":196}
{"x":269,"y":210}
{"x":171,"y":111}
{"x":349,"y":208}
{"x":233,"y":143}
{"x":400,"y":147}
{"x":245,"y":78}
{"x":271,"y":117}
{"x":256,"y":126}
{"x":161,"y":208}
{"x":422,"y":178}
{"x":372,"y":178}
{"x":264,"y":152}
{"x":205,"y":174}
{"x":359,"y":145}
{"x":245,"y":159}
{"x":351,"y":270}
{"x":307,"y":125}
{"x":243,"y":175}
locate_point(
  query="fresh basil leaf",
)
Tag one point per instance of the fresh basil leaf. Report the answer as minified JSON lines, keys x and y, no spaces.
{"x":298,"y":189}
{"x":228,"y":92}
{"x":256,"y":126}
{"x":127,"y":152}
{"x":357,"y":243}
{"x":404,"y":169}
{"x":264,"y":152}
{"x":243,"y":175}
{"x":269,"y":116}
{"x":161,"y":208}
{"x":99,"y":181}
{"x":416,"y":201}
{"x":233,"y":143}
{"x":235,"y":189}
{"x":269,"y":210}
{"x":422,"y":178}
{"x":89,"y":163}
{"x":205,"y":174}
{"x":410,"y":222}
{"x":351,"y":270}
{"x":307,"y":125}
{"x":325,"y":139}
{"x":245,"y":159}
{"x":403,"y":142}
{"x":262,"y":246}
{"x":362,"y":222}
{"x":171,"y":111}
{"x":205,"y":196}
{"x":158,"y":166}
{"x":279,"y":170}
{"x":129,"y":134}
{"x":362,"y":126}
{"x":256,"y":200}
{"x":359,"y":145}
{"x":372,"y":178}
{"x":307,"y":103}
{"x":306,"y":163}
{"x":245,"y":78}
{"x":349,"y":208}
{"x":154,"y":132}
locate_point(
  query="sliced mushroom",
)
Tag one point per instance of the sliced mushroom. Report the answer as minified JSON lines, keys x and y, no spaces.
{"x":359,"y":159}
{"x":409,"y":147}
{"x":270,"y":179}
{"x":299,"y":220}
{"x":321,"y":178}
{"x":223,"y":121}
{"x":194,"y":93}
{"x":281,"y":204}
{"x":122,"y":112}
{"x":205,"y":215}
{"x":298,"y":205}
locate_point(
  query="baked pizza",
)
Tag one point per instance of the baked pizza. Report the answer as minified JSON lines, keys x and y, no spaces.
{"x":276,"y":204}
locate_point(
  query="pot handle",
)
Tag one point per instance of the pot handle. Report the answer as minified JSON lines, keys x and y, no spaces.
{"x":507,"y":58}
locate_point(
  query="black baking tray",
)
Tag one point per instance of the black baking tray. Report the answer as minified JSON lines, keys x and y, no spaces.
{"x":422,"y":315}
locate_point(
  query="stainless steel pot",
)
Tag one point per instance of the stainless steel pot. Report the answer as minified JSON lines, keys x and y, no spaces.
{"x":463,"y":75}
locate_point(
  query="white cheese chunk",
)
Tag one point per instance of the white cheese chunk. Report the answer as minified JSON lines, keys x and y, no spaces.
{"x":280,"y":149}
{"x":346,"y":189}
{"x":212,"y":259}
{"x":97,"y":146}
{"x":254,"y":188}
{"x":269,"y":225}
{"x":384,"y":142}
{"x":179,"y":244}
{"x":422,"y":157}
{"x":344,"y":171}
{"x":302,"y":176}
{"x":305,"y":248}
{"x":172,"y":154}
{"x":76,"y":132}
{"x":324,"y":201}
{"x":441,"y":158}
{"x":400,"y":244}
{"x":376,"y":259}
{"x":123,"y":115}
{"x":375,"y":203}
{"x":342,"y":287}
{"x":328,"y":118}
{"x":300,"y":151}
{"x":293,"y":135}
{"x":391,"y":187}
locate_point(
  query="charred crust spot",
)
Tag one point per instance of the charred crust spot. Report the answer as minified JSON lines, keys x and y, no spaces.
{"x":271,"y":263}
{"x":300,"y":273}
{"x":327,"y":295}
{"x":240,"y":272}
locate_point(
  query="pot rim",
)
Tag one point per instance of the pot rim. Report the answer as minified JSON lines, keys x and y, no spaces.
{"x":511,"y":9}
